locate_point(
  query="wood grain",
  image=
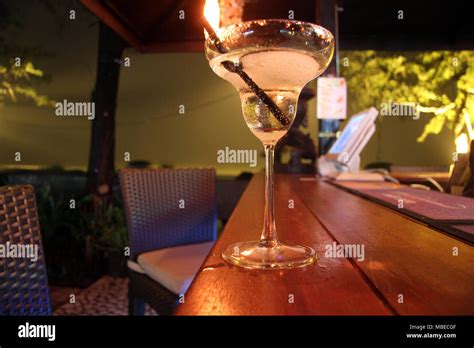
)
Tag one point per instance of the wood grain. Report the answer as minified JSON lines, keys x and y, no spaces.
{"x":329,"y":287}
{"x":415,"y":177}
{"x":403,"y":257}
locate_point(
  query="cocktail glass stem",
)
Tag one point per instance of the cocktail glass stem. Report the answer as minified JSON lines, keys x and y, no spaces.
{"x":269,"y":62}
{"x":269,"y":237}
{"x":268,"y":252}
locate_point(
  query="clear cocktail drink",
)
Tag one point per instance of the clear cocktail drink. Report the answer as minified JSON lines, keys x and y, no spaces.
{"x":280,"y":57}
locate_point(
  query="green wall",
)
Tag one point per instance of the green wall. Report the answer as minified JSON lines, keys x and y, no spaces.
{"x":149,"y":125}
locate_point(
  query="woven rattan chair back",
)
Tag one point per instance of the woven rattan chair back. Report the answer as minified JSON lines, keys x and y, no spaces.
{"x":23,"y":280}
{"x":168,"y":207}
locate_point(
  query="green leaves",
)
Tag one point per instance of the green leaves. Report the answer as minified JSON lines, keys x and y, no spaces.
{"x":105,"y":224}
{"x":16,"y":82}
{"x":30,"y":69}
{"x":440,"y":82}
{"x":434,"y":126}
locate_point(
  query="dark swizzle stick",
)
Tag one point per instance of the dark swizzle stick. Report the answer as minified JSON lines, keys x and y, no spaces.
{"x":237,"y":69}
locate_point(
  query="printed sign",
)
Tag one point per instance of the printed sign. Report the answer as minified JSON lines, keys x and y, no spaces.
{"x":332,"y":98}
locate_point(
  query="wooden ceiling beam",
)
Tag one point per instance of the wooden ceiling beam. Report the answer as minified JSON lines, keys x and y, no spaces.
{"x":104,"y":13}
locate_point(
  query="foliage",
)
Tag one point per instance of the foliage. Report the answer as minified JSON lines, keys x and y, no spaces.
{"x":18,"y":75}
{"x":105,"y":224}
{"x":64,"y":244}
{"x":441,"y":83}
{"x":55,"y":215}
{"x":16,"y":82}
{"x":68,"y":234}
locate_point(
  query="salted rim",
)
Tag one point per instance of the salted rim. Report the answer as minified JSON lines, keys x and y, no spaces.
{"x":221,"y":31}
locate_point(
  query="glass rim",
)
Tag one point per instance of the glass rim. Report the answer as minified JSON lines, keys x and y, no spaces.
{"x":232,"y":27}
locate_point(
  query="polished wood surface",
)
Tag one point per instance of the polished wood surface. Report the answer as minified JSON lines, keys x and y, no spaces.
{"x":417,"y":176}
{"x":408,"y":267}
{"x":409,"y":178}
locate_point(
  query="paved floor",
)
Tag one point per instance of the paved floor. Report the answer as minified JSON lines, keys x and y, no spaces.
{"x":107,"y":296}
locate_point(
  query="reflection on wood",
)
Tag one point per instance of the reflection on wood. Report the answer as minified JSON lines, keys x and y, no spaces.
{"x":402,"y":257}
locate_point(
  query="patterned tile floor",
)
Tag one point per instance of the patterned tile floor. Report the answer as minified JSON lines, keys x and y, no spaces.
{"x":60,"y":295}
{"x":107,"y":296}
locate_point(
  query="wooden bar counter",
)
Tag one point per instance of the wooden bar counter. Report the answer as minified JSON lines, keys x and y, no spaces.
{"x":409,"y":268}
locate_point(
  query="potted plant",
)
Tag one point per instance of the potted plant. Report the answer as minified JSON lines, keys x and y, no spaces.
{"x":107,"y":234}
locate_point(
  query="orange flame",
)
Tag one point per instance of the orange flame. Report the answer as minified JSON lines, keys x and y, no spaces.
{"x":212,"y":13}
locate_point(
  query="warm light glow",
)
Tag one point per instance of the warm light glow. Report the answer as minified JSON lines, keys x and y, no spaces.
{"x":467,"y":120}
{"x":462,"y":144}
{"x":212,"y":13}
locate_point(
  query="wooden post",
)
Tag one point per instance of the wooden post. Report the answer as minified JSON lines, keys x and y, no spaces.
{"x":101,"y":170}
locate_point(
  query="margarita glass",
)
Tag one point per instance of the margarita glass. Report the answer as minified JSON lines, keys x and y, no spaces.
{"x":269,"y":62}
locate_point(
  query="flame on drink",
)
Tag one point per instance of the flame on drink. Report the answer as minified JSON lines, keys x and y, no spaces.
{"x":462,"y":144}
{"x":212,"y":13}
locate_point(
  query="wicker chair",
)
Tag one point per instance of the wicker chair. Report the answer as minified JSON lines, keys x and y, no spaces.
{"x":172,"y":221}
{"x":23,"y":281}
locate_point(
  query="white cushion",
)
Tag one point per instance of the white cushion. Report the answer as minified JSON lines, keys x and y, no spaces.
{"x":135,"y":267}
{"x":175,"y":267}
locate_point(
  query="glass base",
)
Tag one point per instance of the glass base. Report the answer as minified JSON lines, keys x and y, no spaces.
{"x":252,"y":255}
